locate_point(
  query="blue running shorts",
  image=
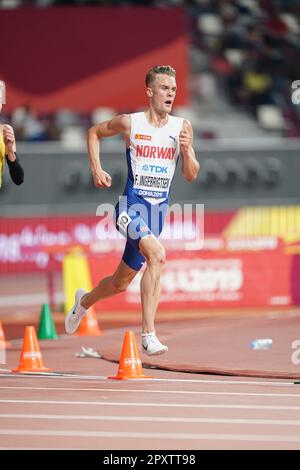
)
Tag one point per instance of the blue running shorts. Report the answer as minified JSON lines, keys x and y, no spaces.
{"x":136,"y":218}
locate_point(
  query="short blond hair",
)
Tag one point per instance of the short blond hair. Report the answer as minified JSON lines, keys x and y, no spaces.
{"x":159,"y":69}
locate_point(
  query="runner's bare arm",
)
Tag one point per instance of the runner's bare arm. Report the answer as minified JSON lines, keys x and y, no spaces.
{"x":190,"y":165}
{"x":118,"y":125}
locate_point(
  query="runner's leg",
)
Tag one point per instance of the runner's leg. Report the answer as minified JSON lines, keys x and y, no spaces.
{"x":110,"y":285}
{"x":154,"y":253}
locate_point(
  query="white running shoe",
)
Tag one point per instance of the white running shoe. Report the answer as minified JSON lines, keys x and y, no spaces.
{"x":151,"y":345}
{"x":76,"y":314}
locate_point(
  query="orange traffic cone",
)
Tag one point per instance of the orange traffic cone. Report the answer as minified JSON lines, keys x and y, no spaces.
{"x":89,"y":325}
{"x":2,"y":337}
{"x":130,"y":366}
{"x":31,"y":358}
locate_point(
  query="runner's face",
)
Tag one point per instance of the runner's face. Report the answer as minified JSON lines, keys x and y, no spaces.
{"x":163,"y":90}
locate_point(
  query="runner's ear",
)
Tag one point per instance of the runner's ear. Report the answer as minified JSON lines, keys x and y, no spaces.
{"x":149,"y":92}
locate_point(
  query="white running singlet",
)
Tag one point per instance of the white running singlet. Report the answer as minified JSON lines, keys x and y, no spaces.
{"x":152,"y":157}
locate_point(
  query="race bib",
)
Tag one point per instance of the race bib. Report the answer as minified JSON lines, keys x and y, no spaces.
{"x":152,"y":180}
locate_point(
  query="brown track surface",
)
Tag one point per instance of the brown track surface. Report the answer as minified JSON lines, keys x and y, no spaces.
{"x":221,"y":345}
{"x":82,"y":409}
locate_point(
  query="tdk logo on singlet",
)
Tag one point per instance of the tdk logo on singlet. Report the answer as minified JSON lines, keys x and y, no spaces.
{"x":155,"y":168}
{"x":150,"y":151}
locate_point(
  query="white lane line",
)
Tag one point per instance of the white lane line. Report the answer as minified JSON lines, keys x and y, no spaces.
{"x":65,"y":375}
{"x":156,"y":419}
{"x":152,"y":435}
{"x":177,"y":392}
{"x":157,"y":405}
{"x":54,"y":375}
{"x":228,"y":382}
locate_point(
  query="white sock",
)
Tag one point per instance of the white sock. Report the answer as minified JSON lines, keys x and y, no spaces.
{"x":148,"y":334}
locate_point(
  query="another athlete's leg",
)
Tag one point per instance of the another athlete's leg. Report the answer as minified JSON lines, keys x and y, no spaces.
{"x":110,"y":285}
{"x":154,"y":253}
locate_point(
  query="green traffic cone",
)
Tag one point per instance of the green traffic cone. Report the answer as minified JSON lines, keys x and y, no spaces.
{"x":47,"y":327}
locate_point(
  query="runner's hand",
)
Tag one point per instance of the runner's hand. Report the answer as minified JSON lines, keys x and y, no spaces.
{"x":102,"y":179}
{"x":9,"y":139}
{"x":185,"y":140}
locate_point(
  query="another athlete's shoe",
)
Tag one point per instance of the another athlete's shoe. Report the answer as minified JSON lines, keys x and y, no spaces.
{"x":76,"y":314}
{"x":151,"y":345}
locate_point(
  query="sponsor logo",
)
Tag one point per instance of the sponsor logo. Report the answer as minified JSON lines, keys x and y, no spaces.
{"x":130,"y":361}
{"x":205,"y":280}
{"x":32,"y":355}
{"x":155,"y":168}
{"x":143,"y":137}
{"x":173,"y":138}
{"x":151,"y":151}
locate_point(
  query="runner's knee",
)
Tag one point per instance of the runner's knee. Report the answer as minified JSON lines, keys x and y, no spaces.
{"x":157,"y":256}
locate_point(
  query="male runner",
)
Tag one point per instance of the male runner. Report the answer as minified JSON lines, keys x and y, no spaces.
{"x":153,"y":140}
